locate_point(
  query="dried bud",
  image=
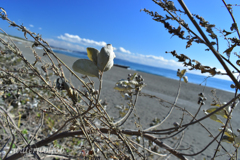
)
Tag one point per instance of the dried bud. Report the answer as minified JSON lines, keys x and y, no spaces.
{"x":232,"y":86}
{"x":201,"y":94}
{"x":105,"y":58}
{"x":96,"y":92}
{"x":127,"y":96}
{"x":176,"y":124}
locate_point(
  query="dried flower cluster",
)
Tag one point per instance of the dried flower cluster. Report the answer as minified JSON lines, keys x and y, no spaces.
{"x":194,"y":64}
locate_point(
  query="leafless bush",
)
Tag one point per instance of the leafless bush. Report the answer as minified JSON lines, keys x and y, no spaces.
{"x":41,"y":108}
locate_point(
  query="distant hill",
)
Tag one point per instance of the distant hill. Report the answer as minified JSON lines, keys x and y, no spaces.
{"x":53,"y":47}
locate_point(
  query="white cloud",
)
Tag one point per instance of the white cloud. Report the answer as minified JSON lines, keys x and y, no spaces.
{"x":124,"y":50}
{"x":157,"y":58}
{"x":156,"y":61}
{"x":121,"y":53}
{"x":159,"y":61}
{"x":77,"y":39}
{"x":65,"y":45}
{"x":40,"y":28}
{"x":31,"y":25}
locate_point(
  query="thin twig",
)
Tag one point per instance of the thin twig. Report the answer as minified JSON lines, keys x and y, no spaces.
{"x":217,"y":54}
{"x":231,"y":17}
{"x":170,"y":111}
{"x":124,"y":119}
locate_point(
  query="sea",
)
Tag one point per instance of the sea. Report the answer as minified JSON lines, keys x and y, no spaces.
{"x":192,"y":78}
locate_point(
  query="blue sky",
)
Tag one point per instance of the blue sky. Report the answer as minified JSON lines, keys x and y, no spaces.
{"x":78,"y":24}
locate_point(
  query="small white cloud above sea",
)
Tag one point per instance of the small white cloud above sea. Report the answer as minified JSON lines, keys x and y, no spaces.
{"x":66,"y":45}
{"x":76,"y":39}
{"x":124,"y":50}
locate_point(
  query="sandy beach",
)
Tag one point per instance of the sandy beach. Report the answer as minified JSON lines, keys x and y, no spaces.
{"x":195,"y":137}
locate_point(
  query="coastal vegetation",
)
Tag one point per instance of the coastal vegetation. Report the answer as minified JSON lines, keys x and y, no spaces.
{"x":48,"y":109}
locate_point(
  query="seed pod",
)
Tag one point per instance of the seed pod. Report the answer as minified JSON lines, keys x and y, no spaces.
{"x":201,"y":94}
{"x":105,"y":58}
{"x":238,"y":62}
{"x":86,"y":67}
{"x":176,"y":124}
{"x":232,"y":86}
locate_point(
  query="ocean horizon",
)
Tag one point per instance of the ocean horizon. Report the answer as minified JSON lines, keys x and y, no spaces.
{"x":168,"y":73}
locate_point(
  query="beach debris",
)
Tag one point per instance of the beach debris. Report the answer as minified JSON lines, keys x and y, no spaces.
{"x":121,"y":107}
{"x":155,"y":121}
{"x":98,"y":61}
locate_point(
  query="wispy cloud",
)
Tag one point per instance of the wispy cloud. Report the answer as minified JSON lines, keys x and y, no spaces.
{"x":156,"y":61}
{"x":159,"y":61}
{"x":77,"y":39}
{"x":31,"y":25}
{"x":121,"y":52}
{"x":124,"y":50}
{"x":39,"y":28}
{"x":65,"y":45}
